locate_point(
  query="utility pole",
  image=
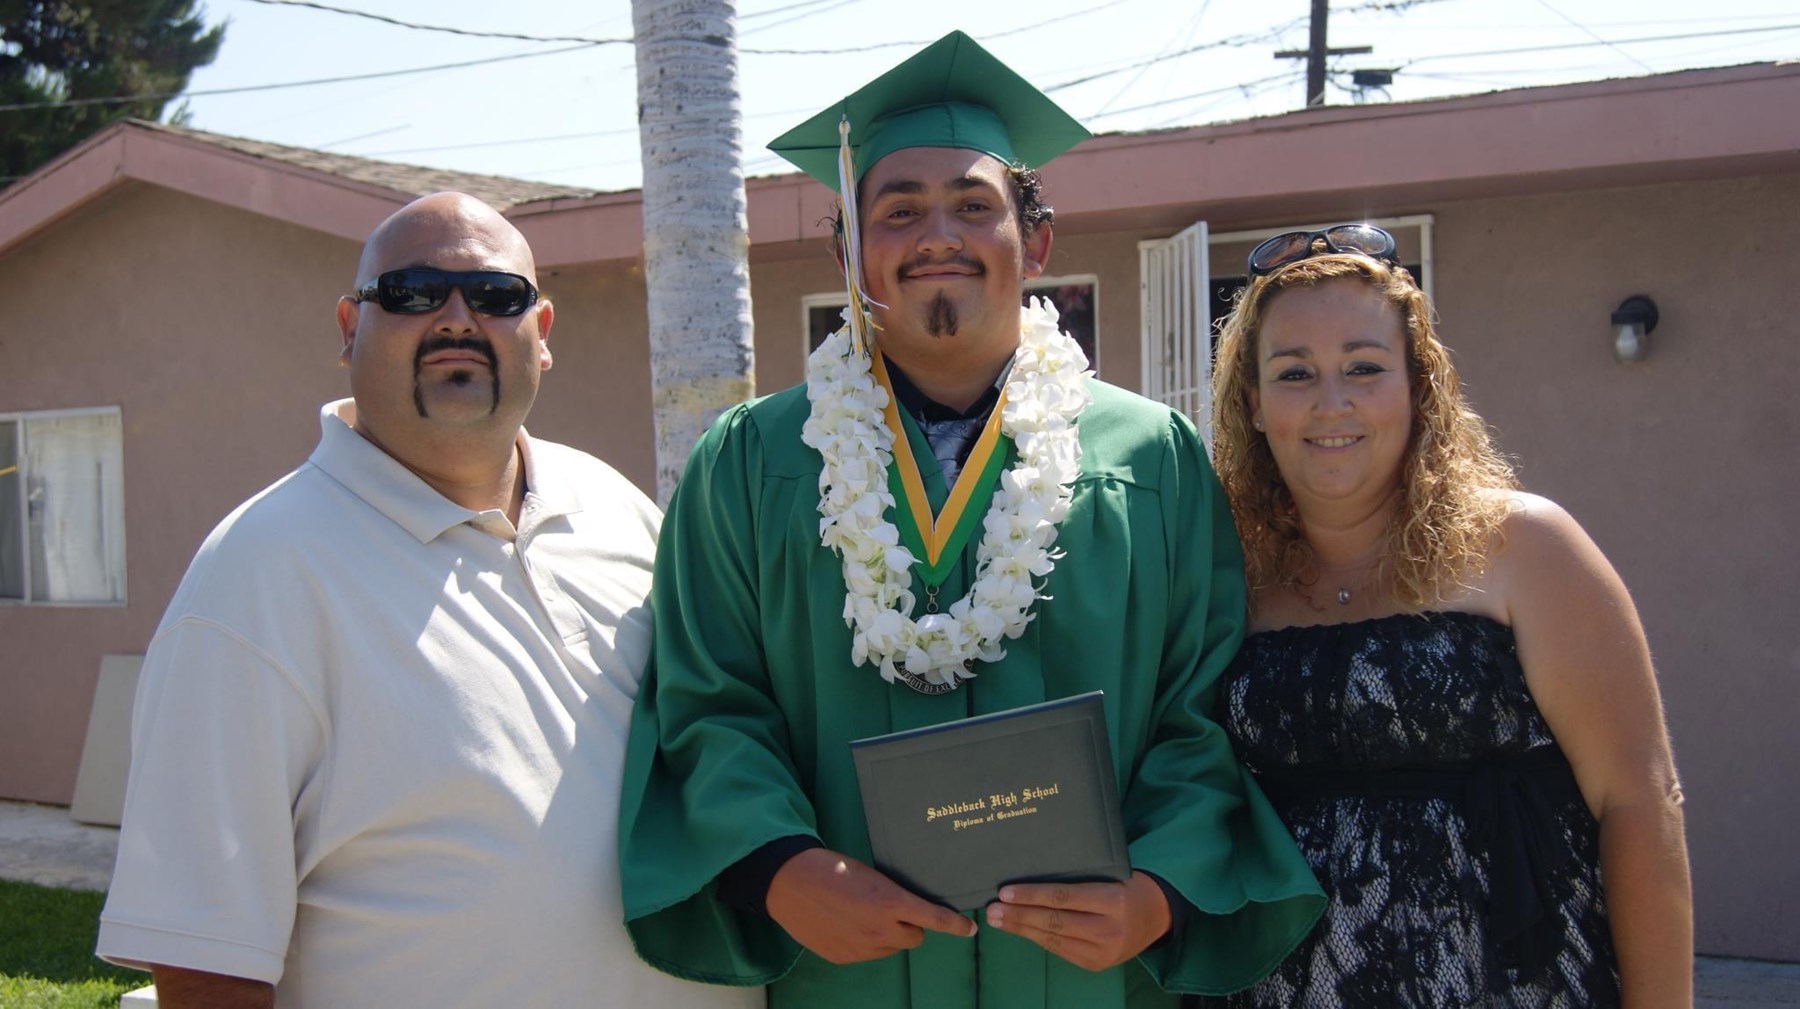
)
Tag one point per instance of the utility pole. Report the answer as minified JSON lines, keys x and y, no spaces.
{"x":1315,"y":52}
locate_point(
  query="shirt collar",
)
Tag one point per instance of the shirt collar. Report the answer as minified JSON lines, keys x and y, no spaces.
{"x":397,"y":492}
{"x":924,"y":407}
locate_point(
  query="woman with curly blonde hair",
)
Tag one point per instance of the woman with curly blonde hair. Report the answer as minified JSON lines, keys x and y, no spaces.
{"x":1446,"y":692}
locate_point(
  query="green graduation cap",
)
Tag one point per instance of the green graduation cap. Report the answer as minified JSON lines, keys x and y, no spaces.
{"x":953,"y":93}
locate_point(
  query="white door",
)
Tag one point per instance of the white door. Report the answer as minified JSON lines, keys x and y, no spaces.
{"x":1177,"y":325}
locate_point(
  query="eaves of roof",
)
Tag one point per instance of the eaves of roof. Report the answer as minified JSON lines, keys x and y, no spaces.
{"x":339,"y":194}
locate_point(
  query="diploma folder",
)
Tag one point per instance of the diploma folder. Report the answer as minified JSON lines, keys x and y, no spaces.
{"x":956,"y":810}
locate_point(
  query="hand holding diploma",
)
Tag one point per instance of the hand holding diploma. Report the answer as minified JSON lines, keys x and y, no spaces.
{"x":847,"y":912}
{"x":1091,"y":925}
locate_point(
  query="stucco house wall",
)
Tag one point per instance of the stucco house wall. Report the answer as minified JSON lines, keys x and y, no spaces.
{"x":1682,"y":468}
{"x":192,"y":319}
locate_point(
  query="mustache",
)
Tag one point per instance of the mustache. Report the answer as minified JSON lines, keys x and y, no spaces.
{"x":432,"y":345}
{"x":926,"y":262}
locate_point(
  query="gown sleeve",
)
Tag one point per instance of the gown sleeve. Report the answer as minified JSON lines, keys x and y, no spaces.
{"x":1194,"y":816}
{"x":708,"y":774}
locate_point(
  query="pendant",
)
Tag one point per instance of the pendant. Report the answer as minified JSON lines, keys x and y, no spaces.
{"x":1344,"y":596}
{"x":923,"y":685}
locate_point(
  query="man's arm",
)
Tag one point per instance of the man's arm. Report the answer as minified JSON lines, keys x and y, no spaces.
{"x":180,"y":988}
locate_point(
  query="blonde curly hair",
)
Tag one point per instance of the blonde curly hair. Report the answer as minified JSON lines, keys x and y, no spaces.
{"x":1448,"y":518}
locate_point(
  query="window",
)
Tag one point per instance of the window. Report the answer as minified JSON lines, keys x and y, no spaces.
{"x":62,"y":508}
{"x":1076,"y":300}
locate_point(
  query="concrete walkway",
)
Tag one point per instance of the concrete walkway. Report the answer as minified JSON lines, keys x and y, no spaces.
{"x":40,"y":844}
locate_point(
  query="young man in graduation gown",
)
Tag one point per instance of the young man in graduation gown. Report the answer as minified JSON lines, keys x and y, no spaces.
{"x":951,"y":518}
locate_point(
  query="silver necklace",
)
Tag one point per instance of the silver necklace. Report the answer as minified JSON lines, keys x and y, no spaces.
{"x":1346,"y":590}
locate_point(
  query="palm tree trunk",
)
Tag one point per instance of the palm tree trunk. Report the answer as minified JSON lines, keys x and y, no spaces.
{"x":696,"y":238}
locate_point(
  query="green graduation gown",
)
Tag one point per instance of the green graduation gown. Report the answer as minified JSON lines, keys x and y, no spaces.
{"x":742,"y":728}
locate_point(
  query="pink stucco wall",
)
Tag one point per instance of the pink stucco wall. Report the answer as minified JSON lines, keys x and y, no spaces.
{"x":1682,"y":468}
{"x":202,"y":325}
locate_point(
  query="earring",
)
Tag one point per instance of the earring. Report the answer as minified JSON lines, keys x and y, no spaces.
{"x":1256,"y":423}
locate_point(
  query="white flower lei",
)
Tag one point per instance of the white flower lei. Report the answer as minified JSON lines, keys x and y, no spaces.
{"x":1045,"y":392}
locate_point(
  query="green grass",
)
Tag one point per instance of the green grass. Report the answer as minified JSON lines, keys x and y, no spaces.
{"x":47,"y":951}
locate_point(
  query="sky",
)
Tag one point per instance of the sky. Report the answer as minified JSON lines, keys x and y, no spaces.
{"x":565,"y":112}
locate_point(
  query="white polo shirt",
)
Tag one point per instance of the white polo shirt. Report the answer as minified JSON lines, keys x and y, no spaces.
{"x":377,"y":743}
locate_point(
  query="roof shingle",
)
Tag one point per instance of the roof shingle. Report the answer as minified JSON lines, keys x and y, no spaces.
{"x":498,"y":191}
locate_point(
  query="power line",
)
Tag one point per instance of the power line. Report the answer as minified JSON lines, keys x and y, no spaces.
{"x":1615,"y":42}
{"x":917,"y":43}
{"x":384,"y":131}
{"x":1248,"y":91}
{"x":1050,"y":21}
{"x":1193,"y":26}
{"x":798,"y":17}
{"x":586,"y":135}
{"x":128,"y":99}
{"x":384,"y":19}
{"x":581,"y":43}
{"x":1236,"y":40}
{"x":1491,"y":77}
{"x":1251,"y":38}
{"x":1284,"y":77}
{"x":1590,"y":34}
{"x":911,"y":43}
{"x":589,"y":135}
{"x":782,"y":10}
{"x":834,"y":4}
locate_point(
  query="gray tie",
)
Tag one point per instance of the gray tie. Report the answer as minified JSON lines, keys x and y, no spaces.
{"x":950,"y":441}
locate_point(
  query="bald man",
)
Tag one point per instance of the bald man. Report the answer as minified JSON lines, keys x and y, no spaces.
{"x":376,"y":746}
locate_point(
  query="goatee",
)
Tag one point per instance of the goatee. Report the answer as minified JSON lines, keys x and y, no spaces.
{"x":458,"y":377}
{"x":940,"y":316}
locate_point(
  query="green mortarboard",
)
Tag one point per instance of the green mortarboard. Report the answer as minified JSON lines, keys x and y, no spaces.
{"x":953,"y":93}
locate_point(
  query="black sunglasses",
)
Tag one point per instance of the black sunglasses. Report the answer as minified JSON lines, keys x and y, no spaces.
{"x":1363,"y":239}
{"x":421,"y":289}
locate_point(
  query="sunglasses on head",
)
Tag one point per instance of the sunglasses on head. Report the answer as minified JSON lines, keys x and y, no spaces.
{"x":420,"y":289}
{"x":1362,"y":239}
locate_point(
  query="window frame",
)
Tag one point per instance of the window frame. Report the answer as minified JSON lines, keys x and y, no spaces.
{"x":20,"y":419}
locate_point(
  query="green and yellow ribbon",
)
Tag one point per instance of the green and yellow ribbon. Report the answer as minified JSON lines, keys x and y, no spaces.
{"x":937,"y":541}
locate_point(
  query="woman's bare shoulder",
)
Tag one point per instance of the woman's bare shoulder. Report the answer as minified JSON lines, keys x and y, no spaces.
{"x":1544,"y":561}
{"x":1536,"y":538}
{"x":1537,"y":530}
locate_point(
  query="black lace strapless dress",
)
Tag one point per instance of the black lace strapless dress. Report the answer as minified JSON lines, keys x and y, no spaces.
{"x":1431,"y":801}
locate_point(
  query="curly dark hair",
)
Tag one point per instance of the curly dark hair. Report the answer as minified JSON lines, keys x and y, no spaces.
{"x":1028,"y":193}
{"x":1448,"y":514}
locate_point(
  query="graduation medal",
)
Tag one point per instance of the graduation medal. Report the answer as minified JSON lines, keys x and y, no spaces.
{"x":869,"y":468}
